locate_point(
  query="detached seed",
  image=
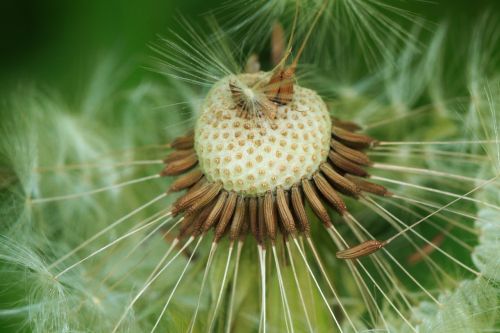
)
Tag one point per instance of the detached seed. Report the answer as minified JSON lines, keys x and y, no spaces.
{"x":361,"y":250}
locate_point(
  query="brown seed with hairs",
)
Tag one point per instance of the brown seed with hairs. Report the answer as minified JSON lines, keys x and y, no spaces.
{"x":253,"y":216}
{"x":180,"y":165}
{"x":361,"y":250}
{"x":346,"y":165}
{"x":284,"y":211}
{"x":183,"y":142}
{"x":369,"y":187}
{"x":238,"y":219}
{"x":353,"y":140}
{"x":346,"y":125}
{"x":351,"y":154}
{"x":206,"y":198}
{"x":216,"y":211}
{"x":262,"y":222}
{"x":340,"y":182}
{"x":186,"y":181}
{"x":330,"y":194}
{"x":300,"y":212}
{"x":280,"y":86}
{"x":227,"y":213}
{"x":277,"y":43}
{"x":189,"y":198}
{"x":315,"y":202}
{"x":177,"y":155}
{"x":270,"y":215}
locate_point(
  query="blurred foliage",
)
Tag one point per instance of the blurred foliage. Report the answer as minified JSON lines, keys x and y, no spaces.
{"x":56,"y":42}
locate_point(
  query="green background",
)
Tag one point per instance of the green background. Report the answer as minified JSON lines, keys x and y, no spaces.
{"x":54,"y":43}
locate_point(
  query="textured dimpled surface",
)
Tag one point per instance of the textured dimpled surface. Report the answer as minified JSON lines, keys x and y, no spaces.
{"x":252,"y":156}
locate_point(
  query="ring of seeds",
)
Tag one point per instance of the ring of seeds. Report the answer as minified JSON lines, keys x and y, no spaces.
{"x":262,"y":148}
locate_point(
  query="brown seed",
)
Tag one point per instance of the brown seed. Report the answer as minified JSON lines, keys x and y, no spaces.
{"x":351,"y":154}
{"x":217,"y":209}
{"x":238,"y":219}
{"x":226,"y":214}
{"x":270,"y":215}
{"x":253,"y":217}
{"x":197,"y":219}
{"x":280,"y":87}
{"x":316,"y":205}
{"x":177,"y":155}
{"x":281,"y":226}
{"x":339,"y":182}
{"x":329,"y":193}
{"x":179,"y":166}
{"x":277,"y":43}
{"x":346,"y":125}
{"x":186,"y":225}
{"x":245,"y":227}
{"x":361,"y":250}
{"x":369,"y":187}
{"x":198,"y":185}
{"x":198,"y":229}
{"x":347,"y":166}
{"x":206,"y":198}
{"x":189,"y":198}
{"x":183,"y":142}
{"x":299,"y":210}
{"x":186,"y":181}
{"x":262,"y":222}
{"x":354,"y":140}
{"x":284,"y":211}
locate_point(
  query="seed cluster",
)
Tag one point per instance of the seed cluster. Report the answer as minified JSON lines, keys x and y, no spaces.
{"x":253,"y":155}
{"x":209,"y":204}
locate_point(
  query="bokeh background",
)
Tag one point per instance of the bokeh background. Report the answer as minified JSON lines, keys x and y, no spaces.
{"x":54,"y":43}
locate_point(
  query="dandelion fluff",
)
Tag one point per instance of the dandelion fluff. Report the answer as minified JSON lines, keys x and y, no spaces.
{"x":154,"y":257}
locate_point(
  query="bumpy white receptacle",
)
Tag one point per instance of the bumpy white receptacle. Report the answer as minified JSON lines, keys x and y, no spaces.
{"x":252,"y":156}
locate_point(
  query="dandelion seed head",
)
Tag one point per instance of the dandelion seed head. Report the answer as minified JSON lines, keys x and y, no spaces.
{"x":253,"y":154}
{"x":276,"y":176}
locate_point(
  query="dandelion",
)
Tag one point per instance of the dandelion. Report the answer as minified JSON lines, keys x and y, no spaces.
{"x":274,"y":207}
